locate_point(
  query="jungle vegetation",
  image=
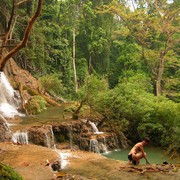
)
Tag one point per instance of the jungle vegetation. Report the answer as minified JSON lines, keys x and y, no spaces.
{"x":120,"y":57}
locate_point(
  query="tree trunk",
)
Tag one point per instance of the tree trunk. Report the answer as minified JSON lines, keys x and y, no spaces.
{"x":74,"y":61}
{"x":159,"y":74}
{"x":24,"y":41}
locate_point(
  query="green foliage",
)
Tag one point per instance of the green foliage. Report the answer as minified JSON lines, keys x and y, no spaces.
{"x":130,"y":48}
{"x":7,"y":173}
{"x":90,"y":91}
{"x":53,"y":84}
{"x":131,"y":107}
{"x":35,"y":105}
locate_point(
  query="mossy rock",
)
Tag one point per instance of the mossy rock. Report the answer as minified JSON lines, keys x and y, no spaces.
{"x":7,"y":173}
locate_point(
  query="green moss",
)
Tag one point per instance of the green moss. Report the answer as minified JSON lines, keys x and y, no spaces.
{"x":7,"y":173}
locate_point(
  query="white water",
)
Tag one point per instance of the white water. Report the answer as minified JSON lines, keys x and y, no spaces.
{"x":20,"y":137}
{"x":6,"y":124}
{"x":103,"y":145}
{"x":9,"y":98}
{"x":98,"y":147}
{"x":94,"y":146}
{"x":50,"y":140}
{"x":63,"y":158}
{"x":95,"y":129}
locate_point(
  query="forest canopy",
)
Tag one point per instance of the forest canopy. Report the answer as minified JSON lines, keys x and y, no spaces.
{"x":119,"y":57}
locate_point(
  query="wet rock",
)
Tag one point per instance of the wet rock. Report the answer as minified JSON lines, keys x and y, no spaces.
{"x":5,"y":131}
{"x":56,"y":166}
{"x":41,"y":135}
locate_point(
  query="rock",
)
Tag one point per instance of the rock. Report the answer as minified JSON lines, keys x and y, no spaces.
{"x":41,"y":135}
{"x":56,"y":166}
{"x":5,"y":131}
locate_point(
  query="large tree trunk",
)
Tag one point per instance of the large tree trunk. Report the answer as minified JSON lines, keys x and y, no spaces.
{"x":24,"y":41}
{"x":74,"y":61}
{"x":159,"y":74}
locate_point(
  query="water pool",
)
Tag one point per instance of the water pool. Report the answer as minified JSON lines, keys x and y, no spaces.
{"x":155,"y":155}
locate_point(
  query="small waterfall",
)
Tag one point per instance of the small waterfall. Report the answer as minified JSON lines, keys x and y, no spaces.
{"x":48,"y":141}
{"x":5,"y":123}
{"x":9,"y":98}
{"x":49,"y":135}
{"x":95,"y":129}
{"x":94,"y":146}
{"x":70,"y":136}
{"x":5,"y":132}
{"x":20,"y":137}
{"x":53,"y":139}
{"x":103,"y":146}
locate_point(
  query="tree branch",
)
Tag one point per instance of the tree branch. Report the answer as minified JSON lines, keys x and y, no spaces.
{"x":24,"y":41}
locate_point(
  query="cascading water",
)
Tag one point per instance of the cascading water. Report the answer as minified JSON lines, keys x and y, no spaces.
{"x":104,"y":146}
{"x":94,"y":146}
{"x":95,"y":129}
{"x":49,"y":136}
{"x":20,"y":137}
{"x":48,"y":141}
{"x":5,"y":123}
{"x":9,"y":98}
{"x":70,"y":136}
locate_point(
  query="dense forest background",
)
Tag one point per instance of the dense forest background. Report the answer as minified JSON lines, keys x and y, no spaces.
{"x":121,"y":58}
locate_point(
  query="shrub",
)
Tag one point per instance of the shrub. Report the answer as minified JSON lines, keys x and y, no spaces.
{"x":53,"y":84}
{"x":6,"y":172}
{"x":35,"y":105}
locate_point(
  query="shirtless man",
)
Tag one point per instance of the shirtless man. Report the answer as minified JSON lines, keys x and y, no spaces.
{"x":137,"y":152}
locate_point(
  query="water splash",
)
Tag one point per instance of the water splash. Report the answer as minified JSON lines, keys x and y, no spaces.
{"x":20,"y":137}
{"x":63,"y":158}
{"x":9,"y":98}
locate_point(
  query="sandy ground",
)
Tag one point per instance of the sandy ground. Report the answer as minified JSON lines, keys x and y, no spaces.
{"x":31,"y":162}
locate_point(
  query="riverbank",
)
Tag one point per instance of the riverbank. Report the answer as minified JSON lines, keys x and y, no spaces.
{"x":34,"y":163}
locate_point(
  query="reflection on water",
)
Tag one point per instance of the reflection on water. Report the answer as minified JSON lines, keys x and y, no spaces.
{"x":155,"y":155}
{"x":49,"y":116}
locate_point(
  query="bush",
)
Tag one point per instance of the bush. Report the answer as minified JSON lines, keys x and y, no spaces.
{"x":35,"y":105}
{"x":6,"y":172}
{"x":53,"y":84}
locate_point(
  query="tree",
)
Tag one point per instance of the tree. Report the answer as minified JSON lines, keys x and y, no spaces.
{"x":23,"y":43}
{"x":154,"y":26}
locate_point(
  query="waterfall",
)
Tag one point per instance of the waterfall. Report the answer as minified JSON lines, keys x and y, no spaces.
{"x":50,"y":142}
{"x":53,"y":139}
{"x":103,"y":146}
{"x":9,"y":98}
{"x":95,"y":129}
{"x":94,"y":146}
{"x":70,"y":136}
{"x":20,"y":137}
{"x":5,"y":123}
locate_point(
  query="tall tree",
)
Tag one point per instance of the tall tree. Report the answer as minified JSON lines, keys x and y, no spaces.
{"x":154,"y":25}
{"x":23,"y":43}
